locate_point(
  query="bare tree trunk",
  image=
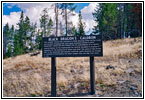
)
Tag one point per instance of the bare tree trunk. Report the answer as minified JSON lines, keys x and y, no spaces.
{"x":66,"y":18}
{"x":56,"y":18}
{"x":126,"y":11}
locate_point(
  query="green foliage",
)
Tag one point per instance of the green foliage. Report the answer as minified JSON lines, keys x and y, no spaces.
{"x":49,"y":26}
{"x":46,"y":25}
{"x":27,"y":34}
{"x":33,"y":95}
{"x":25,"y":39}
{"x":17,"y":47}
{"x":102,"y":85}
{"x":32,"y":40}
{"x":74,"y":31}
{"x":80,"y":25}
{"x":44,"y":22}
{"x":118,"y":20}
{"x":8,"y":41}
{"x":39,"y":41}
{"x":106,"y":16}
{"x":21,"y":35}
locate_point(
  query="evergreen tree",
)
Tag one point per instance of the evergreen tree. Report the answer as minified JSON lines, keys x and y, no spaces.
{"x":6,"y":33}
{"x":97,"y":14}
{"x":39,"y":40}
{"x":32,"y":40}
{"x":49,"y":26}
{"x":27,"y":34}
{"x":11,"y":42}
{"x":74,"y":31}
{"x":46,"y":25}
{"x":70,"y":29}
{"x":44,"y":22}
{"x":107,"y":19}
{"x":80,"y":25}
{"x":21,"y":36}
{"x":17,"y":46}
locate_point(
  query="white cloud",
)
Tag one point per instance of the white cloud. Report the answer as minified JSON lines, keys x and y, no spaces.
{"x":88,"y":17}
{"x":12,"y":19}
{"x":34,"y":10}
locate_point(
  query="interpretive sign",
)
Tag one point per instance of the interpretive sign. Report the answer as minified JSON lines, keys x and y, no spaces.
{"x":72,"y":46}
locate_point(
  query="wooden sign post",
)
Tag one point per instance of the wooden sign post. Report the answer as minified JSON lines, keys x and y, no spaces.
{"x":92,"y":75}
{"x":72,"y":46}
{"x":53,"y":76}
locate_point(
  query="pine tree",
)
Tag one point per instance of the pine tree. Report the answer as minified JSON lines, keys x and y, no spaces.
{"x":46,"y":25}
{"x":21,"y":35}
{"x":74,"y":31}
{"x":43,"y":22}
{"x":107,"y":19}
{"x":80,"y":25}
{"x":17,"y":46}
{"x":11,"y":42}
{"x":49,"y":26}
{"x":6,"y":33}
{"x":33,"y":44}
{"x":97,"y":14}
{"x":39,"y":40}
{"x":27,"y":34}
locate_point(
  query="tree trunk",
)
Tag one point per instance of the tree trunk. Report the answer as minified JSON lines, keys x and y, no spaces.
{"x":56,"y":18}
{"x":66,"y":18}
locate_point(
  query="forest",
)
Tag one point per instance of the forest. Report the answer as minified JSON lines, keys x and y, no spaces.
{"x":113,"y":21}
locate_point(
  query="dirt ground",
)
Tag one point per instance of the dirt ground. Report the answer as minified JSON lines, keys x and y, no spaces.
{"x":117,"y":74}
{"x":128,"y":84}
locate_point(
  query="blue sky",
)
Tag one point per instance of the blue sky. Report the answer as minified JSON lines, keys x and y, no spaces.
{"x":7,"y":8}
{"x":12,"y":11}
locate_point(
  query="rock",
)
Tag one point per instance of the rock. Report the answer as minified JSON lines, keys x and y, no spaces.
{"x":71,"y":86}
{"x":80,"y":72}
{"x":110,"y":67}
{"x":98,"y":93}
{"x":73,"y":70}
{"x":130,"y":70}
{"x":76,"y":85}
{"x":34,"y":53}
{"x":120,"y":82}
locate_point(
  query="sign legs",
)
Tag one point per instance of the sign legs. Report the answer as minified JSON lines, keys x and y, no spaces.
{"x":53,"y":76}
{"x":92,"y":76}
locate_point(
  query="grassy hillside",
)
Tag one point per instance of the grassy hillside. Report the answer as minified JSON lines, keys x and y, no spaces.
{"x":27,"y":75}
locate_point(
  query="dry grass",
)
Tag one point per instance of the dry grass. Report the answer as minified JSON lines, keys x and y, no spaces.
{"x":30,"y":76}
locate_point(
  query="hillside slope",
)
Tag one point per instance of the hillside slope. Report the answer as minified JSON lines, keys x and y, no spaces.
{"x":118,"y":73}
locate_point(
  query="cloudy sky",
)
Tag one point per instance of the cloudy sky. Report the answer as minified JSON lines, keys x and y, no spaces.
{"x":12,"y":11}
